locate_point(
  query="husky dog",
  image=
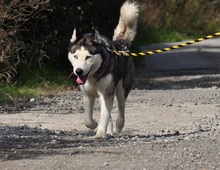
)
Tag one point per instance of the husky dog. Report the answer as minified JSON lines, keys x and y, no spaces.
{"x":100,"y":73}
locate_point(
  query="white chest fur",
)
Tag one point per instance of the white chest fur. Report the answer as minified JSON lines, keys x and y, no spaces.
{"x":97,"y":88}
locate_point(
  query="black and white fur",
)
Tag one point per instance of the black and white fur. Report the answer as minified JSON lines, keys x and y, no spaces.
{"x":103,"y":74}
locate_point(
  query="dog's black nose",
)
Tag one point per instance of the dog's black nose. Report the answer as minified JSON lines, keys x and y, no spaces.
{"x":79,"y":71}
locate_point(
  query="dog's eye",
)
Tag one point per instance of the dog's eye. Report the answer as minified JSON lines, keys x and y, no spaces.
{"x":88,"y":57}
{"x":75,"y":56}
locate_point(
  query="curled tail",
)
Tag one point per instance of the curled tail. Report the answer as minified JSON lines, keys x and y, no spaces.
{"x":127,"y":24}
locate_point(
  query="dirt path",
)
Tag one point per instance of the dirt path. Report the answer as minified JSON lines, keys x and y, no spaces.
{"x":172,"y":122}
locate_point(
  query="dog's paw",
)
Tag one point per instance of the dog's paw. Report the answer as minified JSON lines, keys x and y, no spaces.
{"x":110,"y":130}
{"x":91,"y":125}
{"x":98,"y":138}
{"x":119,"y":129}
{"x":119,"y":125}
{"x":100,"y":135}
{"x":109,"y":134}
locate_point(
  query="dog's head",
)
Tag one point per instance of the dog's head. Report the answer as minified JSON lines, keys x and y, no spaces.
{"x":84,"y":55}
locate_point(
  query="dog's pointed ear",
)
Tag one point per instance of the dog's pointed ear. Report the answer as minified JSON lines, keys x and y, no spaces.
{"x":96,"y":37}
{"x":75,"y":36}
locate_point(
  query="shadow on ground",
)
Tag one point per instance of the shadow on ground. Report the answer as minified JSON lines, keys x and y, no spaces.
{"x":24,"y":142}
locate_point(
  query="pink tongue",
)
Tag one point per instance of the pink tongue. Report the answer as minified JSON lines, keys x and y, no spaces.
{"x":81,"y":80}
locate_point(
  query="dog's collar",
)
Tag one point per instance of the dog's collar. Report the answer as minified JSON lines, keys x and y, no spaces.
{"x":119,"y":53}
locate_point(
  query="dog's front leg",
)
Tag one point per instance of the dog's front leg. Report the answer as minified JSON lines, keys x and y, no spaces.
{"x":89,"y":101}
{"x":106,"y":108}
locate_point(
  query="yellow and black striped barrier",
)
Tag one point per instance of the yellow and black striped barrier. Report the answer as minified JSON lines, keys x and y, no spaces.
{"x":167,"y":48}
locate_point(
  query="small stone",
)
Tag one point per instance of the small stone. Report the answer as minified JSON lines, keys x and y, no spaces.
{"x":7,"y":156}
{"x":105,"y":164}
{"x":177,"y":133}
{"x":135,"y":138}
{"x":54,"y":141}
{"x":60,"y":132}
{"x":170,"y":105}
{"x":214,"y":87}
{"x":19,"y":146}
{"x":32,"y":100}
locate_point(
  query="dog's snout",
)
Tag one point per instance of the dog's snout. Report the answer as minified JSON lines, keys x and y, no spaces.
{"x":79,"y":71}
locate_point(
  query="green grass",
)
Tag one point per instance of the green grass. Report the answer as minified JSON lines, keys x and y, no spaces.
{"x":14,"y":93}
{"x":42,"y":82}
{"x":151,"y":36}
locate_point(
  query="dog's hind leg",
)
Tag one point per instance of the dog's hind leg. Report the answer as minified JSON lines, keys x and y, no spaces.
{"x":89,"y":101}
{"x":121,"y":107}
{"x":122,"y":91}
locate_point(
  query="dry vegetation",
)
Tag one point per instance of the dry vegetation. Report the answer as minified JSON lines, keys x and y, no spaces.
{"x":15,"y":17}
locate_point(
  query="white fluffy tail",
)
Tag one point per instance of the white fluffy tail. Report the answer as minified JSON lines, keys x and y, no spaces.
{"x":126,"y":28}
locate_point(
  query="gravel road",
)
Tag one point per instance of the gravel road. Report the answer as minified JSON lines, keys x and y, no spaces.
{"x":172,"y":121}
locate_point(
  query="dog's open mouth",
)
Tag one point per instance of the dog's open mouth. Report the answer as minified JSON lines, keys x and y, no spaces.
{"x":81,"y":80}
